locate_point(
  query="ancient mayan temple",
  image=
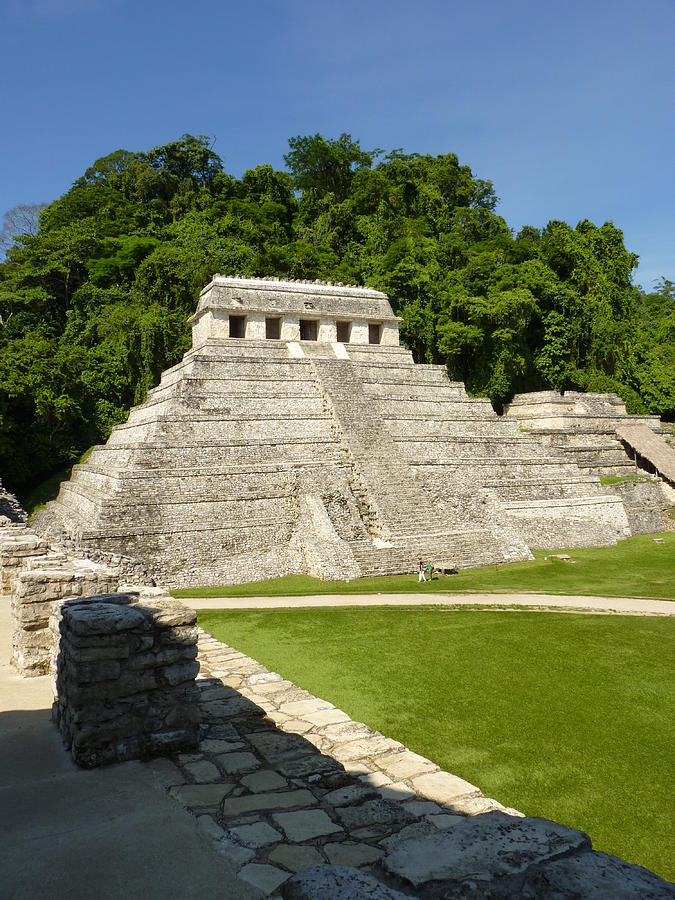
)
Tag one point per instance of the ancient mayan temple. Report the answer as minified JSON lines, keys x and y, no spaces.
{"x":298,"y":436}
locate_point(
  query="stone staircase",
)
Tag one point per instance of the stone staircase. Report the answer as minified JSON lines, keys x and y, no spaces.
{"x":396,"y":500}
{"x":458,"y":444}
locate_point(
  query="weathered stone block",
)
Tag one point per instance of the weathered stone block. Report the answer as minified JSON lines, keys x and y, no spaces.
{"x":112,"y":705}
{"x":483,"y":848}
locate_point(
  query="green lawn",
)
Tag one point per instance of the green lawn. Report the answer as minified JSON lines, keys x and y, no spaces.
{"x":636,"y":567}
{"x":565,"y":716}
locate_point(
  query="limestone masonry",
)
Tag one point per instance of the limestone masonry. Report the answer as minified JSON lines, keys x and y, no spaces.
{"x":298,"y":436}
{"x":125,"y":677}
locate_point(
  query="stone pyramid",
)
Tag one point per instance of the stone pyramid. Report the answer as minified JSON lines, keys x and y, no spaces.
{"x":298,"y":436}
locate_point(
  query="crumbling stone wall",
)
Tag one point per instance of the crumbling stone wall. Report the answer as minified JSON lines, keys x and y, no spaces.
{"x":38,"y":591}
{"x":125,"y":678}
{"x":18,"y":544}
{"x":10,"y":508}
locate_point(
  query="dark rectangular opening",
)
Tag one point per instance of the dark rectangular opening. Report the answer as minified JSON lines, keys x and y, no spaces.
{"x":273,"y":329}
{"x":309,"y":329}
{"x":237,"y":326}
{"x":374,"y":333}
{"x":344,"y":332}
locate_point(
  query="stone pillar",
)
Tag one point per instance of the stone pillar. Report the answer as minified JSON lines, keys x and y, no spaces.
{"x":390,"y":337}
{"x":359,"y":332}
{"x":327,"y":331}
{"x":255,"y":326}
{"x":290,"y":328}
{"x":125,"y":678}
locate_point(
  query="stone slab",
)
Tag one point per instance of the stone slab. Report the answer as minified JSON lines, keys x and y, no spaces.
{"x":372,"y":812}
{"x":342,"y":732}
{"x":203,"y":771}
{"x":397,"y":791}
{"x":442,"y":787}
{"x":375,"y":779}
{"x":198,"y":796}
{"x":301,"y":707}
{"x":351,"y":853}
{"x":596,"y":876}
{"x":326,"y":717}
{"x":220,"y":746}
{"x":266,"y":878}
{"x":234,"y":763}
{"x":239,"y":806}
{"x":265,"y":780}
{"x":405,"y":765}
{"x":337,"y":883}
{"x":305,"y":824}
{"x":295,"y":857}
{"x":365,"y":748}
{"x":482,"y":848}
{"x":233,"y":852}
{"x":351,"y":793}
{"x":257,"y":835}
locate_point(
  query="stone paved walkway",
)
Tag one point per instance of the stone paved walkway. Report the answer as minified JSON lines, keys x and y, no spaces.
{"x":284,"y":781}
{"x":565,"y":603}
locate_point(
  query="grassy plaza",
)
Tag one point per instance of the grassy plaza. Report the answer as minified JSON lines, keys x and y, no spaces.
{"x":565,"y":716}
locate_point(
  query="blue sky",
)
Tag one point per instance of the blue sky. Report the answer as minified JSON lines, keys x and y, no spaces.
{"x":567,"y":107}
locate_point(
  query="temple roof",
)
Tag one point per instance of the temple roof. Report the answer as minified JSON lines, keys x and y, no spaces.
{"x":312,"y":299}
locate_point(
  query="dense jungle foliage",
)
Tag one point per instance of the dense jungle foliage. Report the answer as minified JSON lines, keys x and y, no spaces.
{"x":94,"y":301}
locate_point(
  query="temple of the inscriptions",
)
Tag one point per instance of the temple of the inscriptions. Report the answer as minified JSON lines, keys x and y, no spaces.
{"x":297,"y":435}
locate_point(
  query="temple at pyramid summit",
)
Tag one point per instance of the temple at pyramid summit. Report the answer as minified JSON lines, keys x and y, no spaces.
{"x":297,"y":435}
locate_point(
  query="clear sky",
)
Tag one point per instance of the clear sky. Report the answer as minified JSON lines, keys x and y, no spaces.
{"x":568,"y":107}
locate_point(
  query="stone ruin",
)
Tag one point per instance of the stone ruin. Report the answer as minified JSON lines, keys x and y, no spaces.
{"x":298,"y":436}
{"x":595,"y":432}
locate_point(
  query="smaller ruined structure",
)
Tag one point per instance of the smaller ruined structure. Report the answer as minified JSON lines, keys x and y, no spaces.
{"x":632,"y":455}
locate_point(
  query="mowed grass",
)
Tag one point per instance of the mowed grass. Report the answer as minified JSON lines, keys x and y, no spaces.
{"x":565,"y":716}
{"x":636,"y":567}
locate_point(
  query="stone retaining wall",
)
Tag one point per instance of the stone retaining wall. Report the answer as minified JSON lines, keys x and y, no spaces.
{"x":125,"y":678}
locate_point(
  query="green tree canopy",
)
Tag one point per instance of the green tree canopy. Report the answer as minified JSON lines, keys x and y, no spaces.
{"x":96,"y":288}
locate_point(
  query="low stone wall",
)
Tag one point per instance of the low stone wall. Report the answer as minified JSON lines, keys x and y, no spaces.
{"x":125,"y":678}
{"x":39,"y":589}
{"x":18,"y":544}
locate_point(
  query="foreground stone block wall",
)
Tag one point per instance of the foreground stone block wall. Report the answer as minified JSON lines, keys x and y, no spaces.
{"x":39,"y":579}
{"x":125,"y":678}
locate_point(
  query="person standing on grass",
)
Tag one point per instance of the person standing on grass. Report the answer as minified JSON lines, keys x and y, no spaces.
{"x":430,"y":571}
{"x":421,"y":576}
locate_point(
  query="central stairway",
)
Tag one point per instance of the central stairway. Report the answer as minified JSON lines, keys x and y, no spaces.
{"x":397,"y":502}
